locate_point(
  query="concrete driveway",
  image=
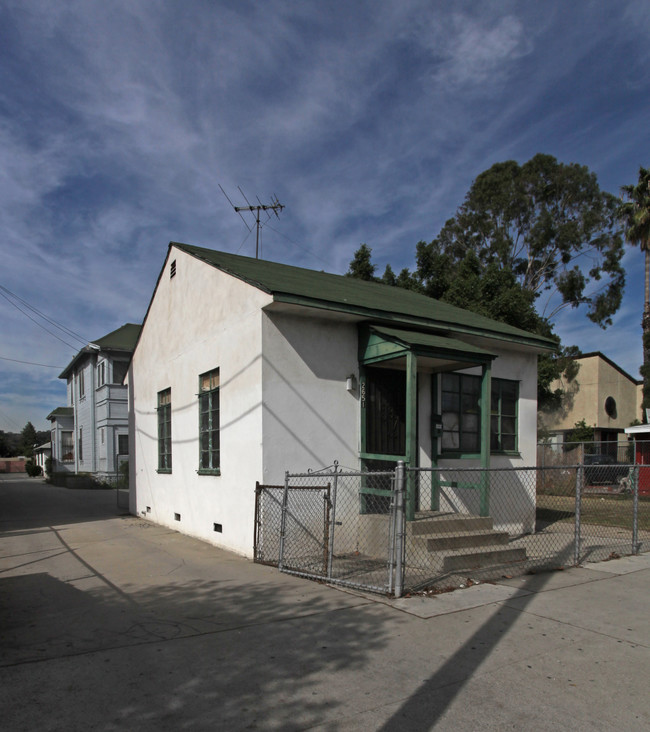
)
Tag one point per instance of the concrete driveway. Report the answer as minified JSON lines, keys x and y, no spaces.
{"x":108,"y":622}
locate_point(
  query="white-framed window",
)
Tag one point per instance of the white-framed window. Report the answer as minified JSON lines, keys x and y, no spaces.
{"x":67,"y":447}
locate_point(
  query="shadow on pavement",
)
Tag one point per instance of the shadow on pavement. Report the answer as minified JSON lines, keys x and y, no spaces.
{"x":28,"y":503}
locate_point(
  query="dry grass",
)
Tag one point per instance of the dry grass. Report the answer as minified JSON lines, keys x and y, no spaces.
{"x":614,"y":510}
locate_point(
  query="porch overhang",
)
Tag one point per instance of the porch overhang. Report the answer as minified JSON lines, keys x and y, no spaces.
{"x":411,"y":350}
{"x":380,"y":343}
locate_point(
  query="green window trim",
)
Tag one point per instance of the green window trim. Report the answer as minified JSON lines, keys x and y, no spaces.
{"x":209,"y":430}
{"x":461,"y":417}
{"x":164,"y":410}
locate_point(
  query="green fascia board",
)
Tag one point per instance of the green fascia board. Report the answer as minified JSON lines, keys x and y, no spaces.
{"x":374,"y":347}
{"x":338,"y":293}
{"x":123,"y":339}
{"x":423,"y":344}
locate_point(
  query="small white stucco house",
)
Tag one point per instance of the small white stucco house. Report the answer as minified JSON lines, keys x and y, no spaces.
{"x":245,"y":369}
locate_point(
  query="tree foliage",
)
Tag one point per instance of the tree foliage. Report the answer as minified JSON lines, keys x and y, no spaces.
{"x":547,"y":224}
{"x":634,"y":213}
{"x":28,"y":438}
{"x":581,"y":432}
{"x":527,"y":241}
{"x":361,"y":266}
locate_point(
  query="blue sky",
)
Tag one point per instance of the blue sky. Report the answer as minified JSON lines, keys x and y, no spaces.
{"x":368,"y":120}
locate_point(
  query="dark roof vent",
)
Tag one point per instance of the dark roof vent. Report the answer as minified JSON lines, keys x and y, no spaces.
{"x":172,"y":269}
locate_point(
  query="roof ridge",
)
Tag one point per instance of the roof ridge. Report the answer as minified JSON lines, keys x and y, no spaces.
{"x":312,"y":288}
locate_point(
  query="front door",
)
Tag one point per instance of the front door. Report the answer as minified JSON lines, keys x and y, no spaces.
{"x":383,"y":432}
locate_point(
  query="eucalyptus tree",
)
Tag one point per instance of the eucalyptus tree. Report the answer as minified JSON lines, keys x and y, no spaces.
{"x":547,"y":223}
{"x":527,"y":241}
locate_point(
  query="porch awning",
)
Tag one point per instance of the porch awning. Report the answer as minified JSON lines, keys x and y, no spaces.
{"x":382,"y":343}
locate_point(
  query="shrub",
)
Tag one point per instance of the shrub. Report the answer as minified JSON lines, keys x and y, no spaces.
{"x":32,"y":469}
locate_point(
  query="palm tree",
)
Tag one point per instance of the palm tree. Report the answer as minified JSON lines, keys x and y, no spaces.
{"x":635,"y":215}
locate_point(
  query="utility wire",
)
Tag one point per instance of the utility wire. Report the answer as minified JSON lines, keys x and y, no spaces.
{"x":250,"y":231}
{"x":30,"y":363}
{"x":10,"y":420}
{"x":4,"y":291}
{"x":295,"y":243}
{"x":74,"y":348}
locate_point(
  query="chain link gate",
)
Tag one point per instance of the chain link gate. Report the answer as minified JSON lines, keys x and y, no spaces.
{"x":342,"y":527}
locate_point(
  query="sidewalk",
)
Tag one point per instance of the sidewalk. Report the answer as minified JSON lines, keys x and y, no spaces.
{"x":108,"y":622}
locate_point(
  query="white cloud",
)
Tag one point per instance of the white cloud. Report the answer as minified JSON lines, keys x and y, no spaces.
{"x":369,"y":121}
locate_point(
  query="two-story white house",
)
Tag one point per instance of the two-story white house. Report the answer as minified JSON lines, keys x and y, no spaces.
{"x":90,"y":434}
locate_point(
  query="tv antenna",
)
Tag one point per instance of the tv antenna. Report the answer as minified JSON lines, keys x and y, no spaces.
{"x":275,"y":206}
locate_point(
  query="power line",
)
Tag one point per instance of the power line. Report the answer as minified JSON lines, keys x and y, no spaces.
{"x":300,"y":246}
{"x":10,"y":420}
{"x":30,"y":363}
{"x":62,"y":328}
{"x":74,"y":348}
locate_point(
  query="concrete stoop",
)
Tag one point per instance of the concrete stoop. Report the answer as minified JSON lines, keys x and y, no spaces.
{"x":460,"y":542}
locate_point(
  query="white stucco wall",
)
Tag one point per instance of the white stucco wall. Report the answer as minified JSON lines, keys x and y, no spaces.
{"x":310,"y":419}
{"x":199,"y":320}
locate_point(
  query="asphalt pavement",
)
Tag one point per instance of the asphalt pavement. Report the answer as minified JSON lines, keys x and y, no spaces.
{"x":109,"y":622}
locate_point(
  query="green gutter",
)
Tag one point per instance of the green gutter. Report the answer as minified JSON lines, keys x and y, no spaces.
{"x":386,"y":316}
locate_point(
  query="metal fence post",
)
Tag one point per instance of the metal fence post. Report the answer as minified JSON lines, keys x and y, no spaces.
{"x":635,"y":510}
{"x":283,"y":520}
{"x":580,"y":477}
{"x":399,"y":527}
{"x":330,"y":556}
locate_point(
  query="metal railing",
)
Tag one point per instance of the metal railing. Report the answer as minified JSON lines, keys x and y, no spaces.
{"x":349,"y":527}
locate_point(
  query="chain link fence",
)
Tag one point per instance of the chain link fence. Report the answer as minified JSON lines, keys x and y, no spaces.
{"x":335,"y":525}
{"x":350,"y":527}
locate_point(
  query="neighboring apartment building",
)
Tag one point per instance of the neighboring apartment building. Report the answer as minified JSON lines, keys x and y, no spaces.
{"x":602,"y":394}
{"x":90,"y":435}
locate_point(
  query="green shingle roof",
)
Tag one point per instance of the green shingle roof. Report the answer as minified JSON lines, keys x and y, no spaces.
{"x":61,"y":412}
{"x":122,"y":339}
{"x":366,"y":299}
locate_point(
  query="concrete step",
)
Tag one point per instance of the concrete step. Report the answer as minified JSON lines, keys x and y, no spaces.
{"x":480,"y":557}
{"x":452,"y":523}
{"x":460,"y":540}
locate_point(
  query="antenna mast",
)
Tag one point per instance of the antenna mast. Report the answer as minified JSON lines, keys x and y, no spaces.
{"x":274,"y":206}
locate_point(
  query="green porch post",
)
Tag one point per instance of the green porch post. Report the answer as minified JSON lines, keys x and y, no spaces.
{"x":486,"y":414}
{"x":411,"y":430}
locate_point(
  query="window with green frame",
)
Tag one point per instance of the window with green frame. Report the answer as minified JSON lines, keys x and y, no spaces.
{"x":461,"y":419}
{"x":461,"y":415}
{"x":209,"y":458}
{"x":165,"y":431}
